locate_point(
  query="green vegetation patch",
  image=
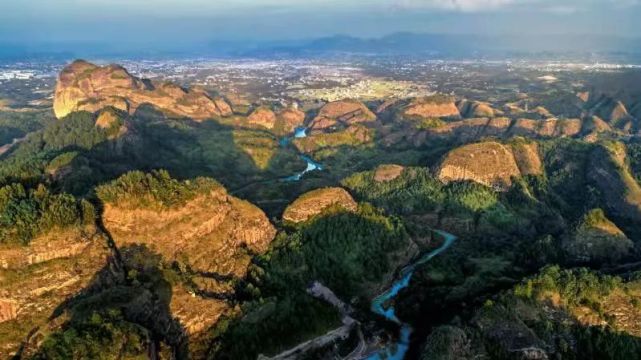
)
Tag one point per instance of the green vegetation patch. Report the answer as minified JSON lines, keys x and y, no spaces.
{"x":26,"y":213}
{"x":342,"y":250}
{"x":155,"y":189}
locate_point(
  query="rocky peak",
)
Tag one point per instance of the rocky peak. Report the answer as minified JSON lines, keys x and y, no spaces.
{"x":85,"y":86}
{"x":436,"y":106}
{"x":343,"y":112}
{"x":37,"y":278}
{"x":262,"y":116}
{"x":316,"y":201}
{"x":488,"y":163}
{"x":476,"y":109}
{"x":291,"y":118}
{"x":387,"y":172}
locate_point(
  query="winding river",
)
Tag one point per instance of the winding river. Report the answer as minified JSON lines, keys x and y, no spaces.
{"x":312,"y":165}
{"x":398,"y":350}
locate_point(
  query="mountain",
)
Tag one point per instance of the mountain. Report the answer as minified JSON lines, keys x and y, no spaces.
{"x":85,"y":86}
{"x":453,"y":46}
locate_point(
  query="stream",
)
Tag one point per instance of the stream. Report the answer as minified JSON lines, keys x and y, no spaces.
{"x":312,"y":165}
{"x":398,"y":350}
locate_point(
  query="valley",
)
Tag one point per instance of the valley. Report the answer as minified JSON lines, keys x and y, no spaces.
{"x":375,"y":208}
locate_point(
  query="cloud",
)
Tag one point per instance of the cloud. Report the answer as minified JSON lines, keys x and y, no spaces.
{"x":559,"y":6}
{"x":455,"y":5}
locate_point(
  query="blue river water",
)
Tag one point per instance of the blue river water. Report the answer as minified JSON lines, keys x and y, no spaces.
{"x":397,"y":351}
{"x":312,"y":165}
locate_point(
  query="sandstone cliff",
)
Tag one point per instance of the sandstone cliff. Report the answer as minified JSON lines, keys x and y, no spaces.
{"x":343,"y":112}
{"x":36,"y":279}
{"x":597,"y":239}
{"x":488,"y":163}
{"x":315,"y":202}
{"x":209,"y":234}
{"x":284,"y":121}
{"x":468,"y":130}
{"x":613,"y":111}
{"x":85,"y":86}
{"x":353,"y":135}
{"x":476,"y":109}
{"x":291,"y":119}
{"x":610,"y":173}
{"x":262,"y":116}
{"x":437,"y":106}
{"x":387,"y":172}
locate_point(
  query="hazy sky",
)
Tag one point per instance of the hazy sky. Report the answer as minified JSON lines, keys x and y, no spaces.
{"x":194,"y":21}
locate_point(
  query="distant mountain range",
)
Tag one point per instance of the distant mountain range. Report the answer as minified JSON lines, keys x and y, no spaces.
{"x":455,"y":46}
{"x":399,"y":44}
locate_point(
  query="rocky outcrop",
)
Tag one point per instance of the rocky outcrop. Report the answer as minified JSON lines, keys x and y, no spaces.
{"x":262,"y":117}
{"x":37,"y":278}
{"x":85,"y":86}
{"x":447,"y":343}
{"x":526,"y":155}
{"x":546,"y":128}
{"x":315,"y":202}
{"x":487,"y":163}
{"x":107,"y":119}
{"x":597,"y":239}
{"x":510,"y":334}
{"x":353,"y":135}
{"x":291,"y":119}
{"x":476,"y":109}
{"x":387,"y":172}
{"x":212,"y":236}
{"x":593,"y":126}
{"x":283,"y":122}
{"x":613,"y":111}
{"x":468,"y":130}
{"x":343,"y":112}
{"x":611,"y":175}
{"x":437,"y":106}
{"x":208,"y":233}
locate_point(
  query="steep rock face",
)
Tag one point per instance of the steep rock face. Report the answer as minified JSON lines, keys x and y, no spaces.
{"x":471,"y":129}
{"x":488,"y":163}
{"x":447,"y":343}
{"x":36,"y":279}
{"x":343,"y":112}
{"x":547,"y":128}
{"x":353,"y":135}
{"x":291,"y":119}
{"x":85,"y":86}
{"x":387,"y":172}
{"x":476,"y":109}
{"x":613,"y":111}
{"x":597,"y":239}
{"x":468,"y":130}
{"x":527,"y":157}
{"x":107,"y":119}
{"x":620,"y":191}
{"x":263,"y":117}
{"x":314,"y":202}
{"x":206,"y":233}
{"x":584,"y":96}
{"x":510,"y":333}
{"x":211,"y":235}
{"x":437,"y":106}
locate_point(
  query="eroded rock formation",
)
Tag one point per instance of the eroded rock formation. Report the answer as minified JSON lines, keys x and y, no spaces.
{"x":315,"y":202}
{"x":85,"y":86}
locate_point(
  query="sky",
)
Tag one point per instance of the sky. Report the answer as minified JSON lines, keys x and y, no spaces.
{"x":188,"y":22}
